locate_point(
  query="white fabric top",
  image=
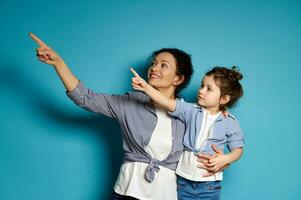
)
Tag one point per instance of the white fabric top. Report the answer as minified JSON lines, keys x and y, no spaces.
{"x":131,"y":180}
{"x":188,"y":164}
{"x":206,"y":128}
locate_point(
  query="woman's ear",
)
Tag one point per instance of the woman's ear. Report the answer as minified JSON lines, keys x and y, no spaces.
{"x":224,"y":99}
{"x":178,"y":80}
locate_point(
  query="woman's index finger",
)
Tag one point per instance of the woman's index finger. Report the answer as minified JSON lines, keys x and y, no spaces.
{"x":38,"y":40}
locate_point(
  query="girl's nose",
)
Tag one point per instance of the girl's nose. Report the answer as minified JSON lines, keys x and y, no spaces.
{"x":201,"y":91}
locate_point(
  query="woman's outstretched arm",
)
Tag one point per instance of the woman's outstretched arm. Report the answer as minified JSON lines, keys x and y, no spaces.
{"x":86,"y":98}
{"x":49,"y":56}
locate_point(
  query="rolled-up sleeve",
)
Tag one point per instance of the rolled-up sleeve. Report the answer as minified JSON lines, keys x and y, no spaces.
{"x":108,"y":105}
{"x":235,"y":136}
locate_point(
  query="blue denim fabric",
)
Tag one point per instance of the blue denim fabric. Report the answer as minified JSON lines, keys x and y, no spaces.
{"x":207,"y":190}
{"x":116,"y":196}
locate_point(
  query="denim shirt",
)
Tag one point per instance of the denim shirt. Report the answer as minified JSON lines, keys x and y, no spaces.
{"x":225,"y":130}
{"x":137,"y":119}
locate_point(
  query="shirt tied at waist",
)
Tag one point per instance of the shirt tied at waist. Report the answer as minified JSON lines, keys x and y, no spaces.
{"x":153,"y":164}
{"x":151,"y":169}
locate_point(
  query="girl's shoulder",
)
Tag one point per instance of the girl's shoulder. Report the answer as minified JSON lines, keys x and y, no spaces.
{"x":231,"y":121}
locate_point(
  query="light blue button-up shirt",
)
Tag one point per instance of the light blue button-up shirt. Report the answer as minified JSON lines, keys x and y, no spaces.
{"x":225,"y":130}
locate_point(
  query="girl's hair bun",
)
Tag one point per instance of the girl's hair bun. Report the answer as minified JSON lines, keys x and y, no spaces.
{"x":234,"y":74}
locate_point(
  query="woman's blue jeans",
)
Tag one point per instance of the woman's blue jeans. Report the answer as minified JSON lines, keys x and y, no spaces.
{"x":208,"y":190}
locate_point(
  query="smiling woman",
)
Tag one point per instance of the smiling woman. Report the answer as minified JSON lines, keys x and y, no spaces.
{"x":166,"y":59}
{"x":152,"y":140}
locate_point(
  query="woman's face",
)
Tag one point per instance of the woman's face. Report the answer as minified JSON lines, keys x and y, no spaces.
{"x":162,"y":72}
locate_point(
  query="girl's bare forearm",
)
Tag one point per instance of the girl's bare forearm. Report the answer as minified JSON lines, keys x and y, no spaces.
{"x":161,"y":99}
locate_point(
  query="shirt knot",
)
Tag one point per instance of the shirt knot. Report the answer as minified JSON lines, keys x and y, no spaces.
{"x":151,"y":169}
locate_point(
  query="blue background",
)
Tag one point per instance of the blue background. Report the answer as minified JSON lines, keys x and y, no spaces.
{"x":51,"y":149}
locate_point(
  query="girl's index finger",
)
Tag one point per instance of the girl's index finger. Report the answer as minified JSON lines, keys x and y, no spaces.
{"x":38,"y":40}
{"x":134,"y":72}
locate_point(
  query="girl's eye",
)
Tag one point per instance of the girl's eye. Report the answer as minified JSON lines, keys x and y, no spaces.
{"x":164,"y":65}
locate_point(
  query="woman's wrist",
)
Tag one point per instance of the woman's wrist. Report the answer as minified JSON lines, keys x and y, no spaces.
{"x":59,"y":64}
{"x":228,"y":159}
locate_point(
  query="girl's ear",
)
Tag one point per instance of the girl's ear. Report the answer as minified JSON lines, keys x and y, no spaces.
{"x":224,"y":99}
{"x":178,"y":80}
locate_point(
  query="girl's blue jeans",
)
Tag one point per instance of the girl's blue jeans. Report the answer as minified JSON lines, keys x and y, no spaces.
{"x":208,"y":190}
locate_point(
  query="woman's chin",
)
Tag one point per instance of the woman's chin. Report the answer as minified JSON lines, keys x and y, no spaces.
{"x":153,"y":82}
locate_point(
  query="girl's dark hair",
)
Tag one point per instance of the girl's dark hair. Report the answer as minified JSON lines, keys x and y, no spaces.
{"x":228,"y":82}
{"x":183,"y":64}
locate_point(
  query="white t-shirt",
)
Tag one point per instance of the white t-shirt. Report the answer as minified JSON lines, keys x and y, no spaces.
{"x":131,"y":180}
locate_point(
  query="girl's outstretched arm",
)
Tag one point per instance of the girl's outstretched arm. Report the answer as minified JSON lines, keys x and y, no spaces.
{"x":49,"y":56}
{"x":140,"y":84}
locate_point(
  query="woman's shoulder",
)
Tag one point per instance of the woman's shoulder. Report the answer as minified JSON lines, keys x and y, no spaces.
{"x":138,"y":96}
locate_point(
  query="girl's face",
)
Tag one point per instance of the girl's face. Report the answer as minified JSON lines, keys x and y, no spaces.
{"x":162,"y":72}
{"x":209,"y":94}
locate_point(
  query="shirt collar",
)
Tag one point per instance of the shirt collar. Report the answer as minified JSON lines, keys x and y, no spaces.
{"x":224,"y":114}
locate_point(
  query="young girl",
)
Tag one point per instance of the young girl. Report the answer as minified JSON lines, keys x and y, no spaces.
{"x":207,"y":124}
